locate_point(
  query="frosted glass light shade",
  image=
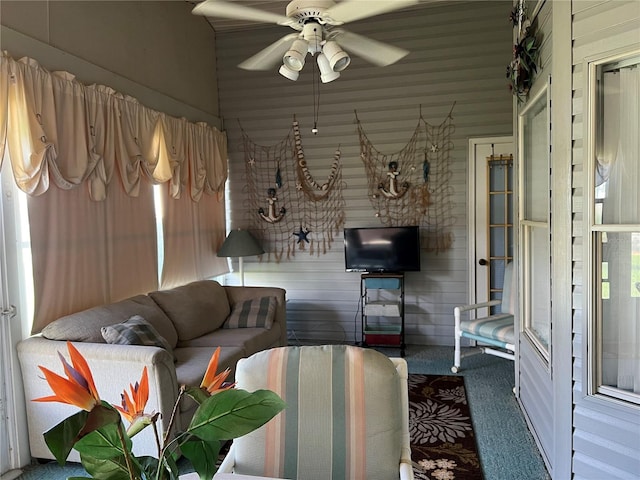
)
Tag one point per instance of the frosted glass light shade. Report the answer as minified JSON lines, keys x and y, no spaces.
{"x":338,"y":58}
{"x":288,"y":73}
{"x":294,"y":58}
{"x":326,"y":74}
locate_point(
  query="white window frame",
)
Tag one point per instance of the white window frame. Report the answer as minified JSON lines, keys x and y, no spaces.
{"x":527,"y":226}
{"x":593,"y":321}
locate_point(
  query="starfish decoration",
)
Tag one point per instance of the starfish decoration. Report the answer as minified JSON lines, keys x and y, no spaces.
{"x":252,"y":161}
{"x":298,"y":186}
{"x":434,"y":147}
{"x":302,"y":234}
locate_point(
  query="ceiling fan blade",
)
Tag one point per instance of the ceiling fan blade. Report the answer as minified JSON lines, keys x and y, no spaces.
{"x":236,"y":11}
{"x":373,"y":51}
{"x":271,"y":56}
{"x":352,"y":10}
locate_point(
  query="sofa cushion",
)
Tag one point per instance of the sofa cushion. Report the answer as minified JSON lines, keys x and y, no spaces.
{"x":195,"y":309}
{"x":250,"y":339}
{"x":256,"y":312}
{"x":135,"y":331}
{"x":85,"y":326}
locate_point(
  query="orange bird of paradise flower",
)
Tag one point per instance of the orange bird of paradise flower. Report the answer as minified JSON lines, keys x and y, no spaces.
{"x":78,"y":388}
{"x":133,"y":406}
{"x":211,"y":382}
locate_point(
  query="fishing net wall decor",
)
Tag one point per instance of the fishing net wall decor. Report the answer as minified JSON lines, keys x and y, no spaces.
{"x":412,"y":186}
{"x":287,"y":209}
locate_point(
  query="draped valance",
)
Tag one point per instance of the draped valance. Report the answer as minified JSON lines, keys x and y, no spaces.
{"x":57,"y":129}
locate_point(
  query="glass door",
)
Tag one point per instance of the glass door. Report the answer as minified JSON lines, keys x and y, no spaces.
{"x":490,"y":215}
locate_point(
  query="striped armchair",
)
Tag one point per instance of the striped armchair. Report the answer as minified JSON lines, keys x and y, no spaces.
{"x":346,"y":415}
{"x":496,"y":330}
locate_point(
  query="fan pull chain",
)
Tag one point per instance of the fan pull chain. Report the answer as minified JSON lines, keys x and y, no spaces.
{"x":316,"y":93}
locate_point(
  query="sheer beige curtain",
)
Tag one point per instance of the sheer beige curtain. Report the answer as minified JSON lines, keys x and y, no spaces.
{"x":193,"y":204}
{"x":87,"y":253}
{"x":4,"y":107}
{"x":88,"y":157}
{"x":192,"y":237}
{"x":620,"y":251}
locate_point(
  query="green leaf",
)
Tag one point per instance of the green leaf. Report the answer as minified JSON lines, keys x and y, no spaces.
{"x":61,"y":438}
{"x":65,"y":436}
{"x":233,"y":413}
{"x":110,"y":469}
{"x":197,"y":394}
{"x":149,"y":466}
{"x":203,"y":456}
{"x":104,"y":443}
{"x":99,"y":416}
{"x":170,"y":463}
{"x":529,"y":42}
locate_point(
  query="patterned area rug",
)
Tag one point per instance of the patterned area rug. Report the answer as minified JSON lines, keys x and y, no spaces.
{"x":443,"y":444}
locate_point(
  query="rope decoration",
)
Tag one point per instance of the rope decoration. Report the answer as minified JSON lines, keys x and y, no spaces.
{"x":412,"y":186}
{"x":287,"y":209}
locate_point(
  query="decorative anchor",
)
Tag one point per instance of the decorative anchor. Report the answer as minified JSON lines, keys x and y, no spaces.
{"x":271,"y":217}
{"x":393,"y":191}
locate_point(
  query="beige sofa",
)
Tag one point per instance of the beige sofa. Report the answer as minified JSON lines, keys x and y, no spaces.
{"x":192,"y":320}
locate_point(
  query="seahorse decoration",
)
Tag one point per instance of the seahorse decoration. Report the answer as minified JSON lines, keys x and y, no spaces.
{"x":302,"y":214}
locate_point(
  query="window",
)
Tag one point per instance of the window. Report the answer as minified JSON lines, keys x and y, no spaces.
{"x":614,"y":224}
{"x":534,"y":134}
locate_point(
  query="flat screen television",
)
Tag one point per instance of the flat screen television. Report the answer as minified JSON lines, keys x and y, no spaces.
{"x":382,"y":249}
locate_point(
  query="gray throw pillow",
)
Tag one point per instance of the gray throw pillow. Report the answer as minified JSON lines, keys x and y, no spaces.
{"x":135,"y":331}
{"x":256,"y":312}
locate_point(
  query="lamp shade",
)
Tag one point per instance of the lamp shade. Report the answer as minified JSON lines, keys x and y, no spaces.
{"x":240,"y":243}
{"x":294,"y":58}
{"x":326,"y":74}
{"x":338,"y":58}
{"x":286,"y":72}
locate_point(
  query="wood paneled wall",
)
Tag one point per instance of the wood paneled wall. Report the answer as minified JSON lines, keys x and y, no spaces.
{"x":459,"y":53}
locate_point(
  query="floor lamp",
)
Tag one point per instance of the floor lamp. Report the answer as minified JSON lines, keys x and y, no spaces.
{"x":240,"y":243}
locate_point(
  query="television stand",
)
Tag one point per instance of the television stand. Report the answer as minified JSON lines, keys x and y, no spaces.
{"x":382,"y":315}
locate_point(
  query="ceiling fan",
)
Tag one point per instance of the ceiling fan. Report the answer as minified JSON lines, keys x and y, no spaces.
{"x":316,"y":22}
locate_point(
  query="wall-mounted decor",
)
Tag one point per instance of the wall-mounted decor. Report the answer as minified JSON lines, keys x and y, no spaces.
{"x":411,"y":186}
{"x":522,"y":69}
{"x":288,"y":209}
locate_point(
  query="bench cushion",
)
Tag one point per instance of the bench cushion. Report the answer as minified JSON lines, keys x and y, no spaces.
{"x":497,"y":327}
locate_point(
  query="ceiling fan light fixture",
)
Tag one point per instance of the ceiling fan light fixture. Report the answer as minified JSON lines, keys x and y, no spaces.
{"x":312,"y":33}
{"x":326,"y":73}
{"x":294,"y":58}
{"x":289,"y":73}
{"x":338,"y":58}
